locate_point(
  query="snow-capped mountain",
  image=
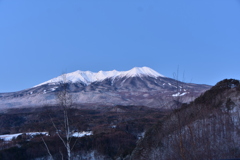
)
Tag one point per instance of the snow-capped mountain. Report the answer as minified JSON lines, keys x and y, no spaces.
{"x":88,"y":77}
{"x":138,"y":86}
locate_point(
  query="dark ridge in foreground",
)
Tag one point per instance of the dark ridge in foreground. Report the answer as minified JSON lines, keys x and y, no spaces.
{"x":207,"y":128}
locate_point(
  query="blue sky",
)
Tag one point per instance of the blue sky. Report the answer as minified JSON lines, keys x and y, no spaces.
{"x":41,"y":39}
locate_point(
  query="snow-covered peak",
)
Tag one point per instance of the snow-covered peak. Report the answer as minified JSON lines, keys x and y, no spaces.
{"x":88,"y":77}
{"x":140,"y":71}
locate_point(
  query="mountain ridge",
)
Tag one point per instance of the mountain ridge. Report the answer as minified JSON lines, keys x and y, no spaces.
{"x":138,"y":86}
{"x":88,"y":77}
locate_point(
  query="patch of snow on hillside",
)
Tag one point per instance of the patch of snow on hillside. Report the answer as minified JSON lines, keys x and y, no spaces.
{"x":54,"y":88}
{"x":179,"y":94}
{"x":82,"y":134}
{"x":9,"y":137}
{"x":37,"y":133}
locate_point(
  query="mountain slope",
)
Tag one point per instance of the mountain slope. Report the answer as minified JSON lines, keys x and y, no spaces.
{"x":207,"y":128}
{"x":138,"y":86}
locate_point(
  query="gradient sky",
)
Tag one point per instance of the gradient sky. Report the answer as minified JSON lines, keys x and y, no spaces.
{"x":40,"y":39}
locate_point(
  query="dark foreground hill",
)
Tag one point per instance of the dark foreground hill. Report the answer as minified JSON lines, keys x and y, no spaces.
{"x":207,"y":128}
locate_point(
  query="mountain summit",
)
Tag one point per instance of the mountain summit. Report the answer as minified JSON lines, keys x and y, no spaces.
{"x":138,"y":86}
{"x":88,"y":77}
